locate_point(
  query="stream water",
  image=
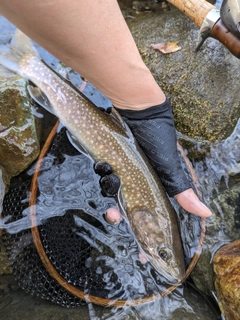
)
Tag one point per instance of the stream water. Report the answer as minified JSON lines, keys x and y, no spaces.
{"x":16,"y":304}
{"x":70,"y":209}
{"x":133,"y":279}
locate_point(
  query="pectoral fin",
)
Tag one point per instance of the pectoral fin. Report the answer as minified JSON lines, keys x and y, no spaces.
{"x":121,"y":203}
{"x":77,"y":145}
{"x":117,"y":118}
{"x":39,"y":97}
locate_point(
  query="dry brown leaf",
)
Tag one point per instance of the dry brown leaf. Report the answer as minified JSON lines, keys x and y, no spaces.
{"x":166,"y":47}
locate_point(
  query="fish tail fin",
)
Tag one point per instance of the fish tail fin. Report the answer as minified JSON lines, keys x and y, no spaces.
{"x":12,"y":54}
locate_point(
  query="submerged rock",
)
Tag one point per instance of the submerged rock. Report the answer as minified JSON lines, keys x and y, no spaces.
{"x":227,"y":279}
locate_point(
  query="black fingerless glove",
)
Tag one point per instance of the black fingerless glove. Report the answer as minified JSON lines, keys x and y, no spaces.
{"x":154,"y":130}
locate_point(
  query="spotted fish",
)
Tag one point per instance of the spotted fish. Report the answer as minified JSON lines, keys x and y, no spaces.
{"x":106,"y":138}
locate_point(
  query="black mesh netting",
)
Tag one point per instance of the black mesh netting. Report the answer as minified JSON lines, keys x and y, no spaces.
{"x":93,"y":256}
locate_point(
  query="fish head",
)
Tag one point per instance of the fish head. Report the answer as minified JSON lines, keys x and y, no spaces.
{"x":160,"y":244}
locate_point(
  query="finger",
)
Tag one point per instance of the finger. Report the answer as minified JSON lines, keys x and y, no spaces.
{"x":113,"y":216}
{"x":142,"y":257}
{"x":189,"y":201}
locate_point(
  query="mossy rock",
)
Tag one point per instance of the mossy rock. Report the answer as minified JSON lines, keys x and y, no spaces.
{"x":19,"y":144}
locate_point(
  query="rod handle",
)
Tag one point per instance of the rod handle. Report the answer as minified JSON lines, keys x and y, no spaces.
{"x":196,"y":10}
{"x":228,"y":39}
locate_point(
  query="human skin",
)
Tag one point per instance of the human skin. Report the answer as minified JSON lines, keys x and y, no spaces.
{"x":92,"y":38}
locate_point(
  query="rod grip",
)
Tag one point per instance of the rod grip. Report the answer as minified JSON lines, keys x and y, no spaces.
{"x":228,"y":39}
{"x":196,"y":10}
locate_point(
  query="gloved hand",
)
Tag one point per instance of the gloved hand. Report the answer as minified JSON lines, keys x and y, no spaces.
{"x":154,"y":130}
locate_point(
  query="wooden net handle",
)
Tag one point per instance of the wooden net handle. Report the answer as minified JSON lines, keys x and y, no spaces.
{"x":54,"y":273}
{"x":229,"y":40}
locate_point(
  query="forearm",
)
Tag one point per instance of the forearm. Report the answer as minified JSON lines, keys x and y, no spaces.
{"x":92,"y":38}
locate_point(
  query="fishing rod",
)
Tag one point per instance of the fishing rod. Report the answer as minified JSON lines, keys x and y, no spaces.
{"x":222,"y":25}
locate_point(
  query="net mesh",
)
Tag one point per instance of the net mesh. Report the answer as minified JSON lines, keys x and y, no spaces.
{"x":89,"y":254}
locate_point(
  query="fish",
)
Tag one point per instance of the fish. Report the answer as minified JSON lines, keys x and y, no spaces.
{"x":105,"y":137}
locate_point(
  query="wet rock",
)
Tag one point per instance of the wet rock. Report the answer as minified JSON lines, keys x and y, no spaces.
{"x":19,"y":145}
{"x":218,"y":170}
{"x":149,"y":5}
{"x":192,"y":80}
{"x":131,"y":9}
{"x":227,"y":279}
{"x":222,"y":228}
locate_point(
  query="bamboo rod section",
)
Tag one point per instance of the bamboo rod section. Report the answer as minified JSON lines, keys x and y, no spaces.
{"x":196,"y":10}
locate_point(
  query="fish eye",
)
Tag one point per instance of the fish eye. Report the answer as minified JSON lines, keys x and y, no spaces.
{"x":163,"y":253}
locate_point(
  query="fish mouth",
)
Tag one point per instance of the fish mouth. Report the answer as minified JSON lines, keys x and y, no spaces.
{"x":173,"y":276}
{"x":169,"y":277}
